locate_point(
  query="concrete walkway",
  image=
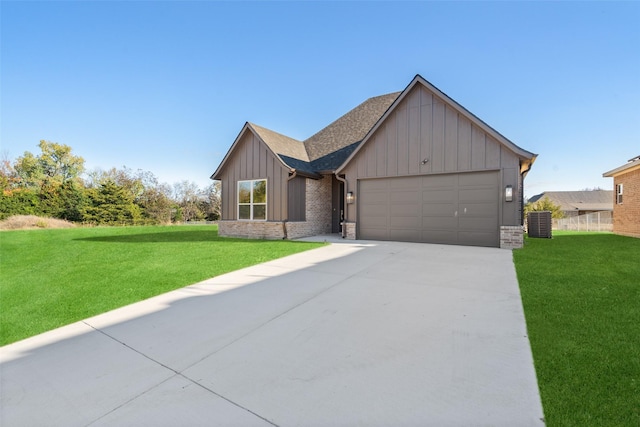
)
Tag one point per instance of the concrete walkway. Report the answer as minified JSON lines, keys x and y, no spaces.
{"x":353,"y":333}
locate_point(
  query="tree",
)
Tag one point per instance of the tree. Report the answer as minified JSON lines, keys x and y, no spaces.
{"x":212,"y":201}
{"x":8,"y":178}
{"x":56,"y":164}
{"x":19,"y":201}
{"x":187,"y":196}
{"x":156,"y":204}
{"x":111,"y":204}
{"x":544,"y":205}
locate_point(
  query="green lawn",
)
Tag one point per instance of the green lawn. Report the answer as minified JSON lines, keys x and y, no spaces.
{"x":581,"y":295}
{"x":50,"y":278}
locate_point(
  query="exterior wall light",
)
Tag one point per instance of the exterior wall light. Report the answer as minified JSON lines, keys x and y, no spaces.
{"x":350,"y":198}
{"x":508,"y":193}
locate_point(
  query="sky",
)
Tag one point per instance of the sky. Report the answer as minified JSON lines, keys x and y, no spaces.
{"x":167,"y":86}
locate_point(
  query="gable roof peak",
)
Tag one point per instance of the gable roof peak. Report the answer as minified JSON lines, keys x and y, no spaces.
{"x":349,"y":128}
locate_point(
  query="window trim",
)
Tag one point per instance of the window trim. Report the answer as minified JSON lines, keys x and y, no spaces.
{"x":251,"y":203}
{"x":619,"y":191}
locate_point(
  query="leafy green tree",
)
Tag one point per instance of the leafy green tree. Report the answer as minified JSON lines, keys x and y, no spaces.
{"x":73,"y":199}
{"x":111,"y":204}
{"x":55,"y":164}
{"x":19,"y":201}
{"x":544,"y":205}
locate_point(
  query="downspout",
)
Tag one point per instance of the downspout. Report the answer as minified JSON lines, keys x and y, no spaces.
{"x":522,"y":174}
{"x":344,"y":194}
{"x":284,"y":223}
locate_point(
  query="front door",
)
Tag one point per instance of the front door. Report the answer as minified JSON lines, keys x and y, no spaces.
{"x":337,"y":205}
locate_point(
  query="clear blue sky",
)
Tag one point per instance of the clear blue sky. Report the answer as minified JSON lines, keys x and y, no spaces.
{"x":166,"y":86}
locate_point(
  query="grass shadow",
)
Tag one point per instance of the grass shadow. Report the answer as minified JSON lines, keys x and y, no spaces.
{"x":174,"y":237}
{"x":162,"y":237}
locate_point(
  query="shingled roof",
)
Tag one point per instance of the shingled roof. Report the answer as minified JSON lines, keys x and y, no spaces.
{"x":596,"y":200}
{"x":328,"y":149}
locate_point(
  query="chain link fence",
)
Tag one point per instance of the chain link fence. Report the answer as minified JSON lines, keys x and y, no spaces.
{"x":596,"y":221}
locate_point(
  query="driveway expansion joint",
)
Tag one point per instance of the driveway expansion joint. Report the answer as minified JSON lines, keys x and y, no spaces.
{"x":176,"y":373}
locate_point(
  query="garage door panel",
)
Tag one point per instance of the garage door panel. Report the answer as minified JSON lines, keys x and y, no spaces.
{"x":378,"y":221}
{"x":375,"y":184}
{"x":438,"y":209}
{"x":404,"y":197}
{"x":440,"y":223}
{"x":477,"y":239}
{"x":399,"y":223}
{"x":404,"y":184}
{"x":480,"y":194}
{"x":481,"y":224}
{"x":435,"y":181}
{"x":438,"y":195}
{"x":375,"y":197}
{"x":431,"y":209}
{"x":405,"y":235}
{"x":479,"y":210}
{"x":489,"y":179}
{"x":375,"y":233}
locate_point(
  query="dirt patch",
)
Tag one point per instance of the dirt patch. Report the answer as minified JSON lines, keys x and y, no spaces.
{"x":30,"y":222}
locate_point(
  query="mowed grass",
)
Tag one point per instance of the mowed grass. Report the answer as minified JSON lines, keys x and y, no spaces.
{"x":581,"y":295}
{"x":50,"y":278}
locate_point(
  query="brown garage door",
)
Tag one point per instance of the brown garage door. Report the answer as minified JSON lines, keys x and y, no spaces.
{"x":459,"y":209}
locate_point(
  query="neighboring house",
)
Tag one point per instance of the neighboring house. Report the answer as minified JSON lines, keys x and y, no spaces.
{"x":575,"y":203}
{"x":408,"y":166}
{"x":626,"y":197}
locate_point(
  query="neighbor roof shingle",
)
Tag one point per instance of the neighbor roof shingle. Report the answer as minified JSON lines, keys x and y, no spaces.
{"x":595,"y":200}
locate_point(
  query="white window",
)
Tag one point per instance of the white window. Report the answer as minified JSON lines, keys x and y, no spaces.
{"x":619,"y":194}
{"x":252,"y":200}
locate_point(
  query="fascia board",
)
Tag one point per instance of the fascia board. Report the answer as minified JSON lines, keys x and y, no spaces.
{"x":622,"y":169}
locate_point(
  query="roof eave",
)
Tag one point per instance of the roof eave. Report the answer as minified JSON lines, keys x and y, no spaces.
{"x":624,"y":168}
{"x":306,"y":174}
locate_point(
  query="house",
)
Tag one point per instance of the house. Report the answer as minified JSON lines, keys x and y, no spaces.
{"x":626,"y":197}
{"x":575,"y":203}
{"x":407,"y":166}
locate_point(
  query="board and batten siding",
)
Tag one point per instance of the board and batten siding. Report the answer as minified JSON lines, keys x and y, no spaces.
{"x":423,"y":126}
{"x":297,"y":199}
{"x":251,"y":159}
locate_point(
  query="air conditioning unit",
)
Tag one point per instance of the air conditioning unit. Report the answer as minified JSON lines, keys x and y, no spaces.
{"x":539,"y":224}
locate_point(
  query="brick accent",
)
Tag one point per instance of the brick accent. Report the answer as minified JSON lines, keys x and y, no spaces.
{"x":318,"y":209}
{"x":269,"y":230}
{"x":317,"y":214}
{"x":626,"y":216}
{"x":351,"y":230}
{"x":511,"y":236}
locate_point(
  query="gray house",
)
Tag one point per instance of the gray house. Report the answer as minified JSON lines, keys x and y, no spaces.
{"x":408,"y":166}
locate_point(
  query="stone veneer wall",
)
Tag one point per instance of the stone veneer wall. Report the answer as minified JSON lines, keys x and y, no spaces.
{"x":351,"y":230}
{"x":511,"y":236}
{"x":317,"y":214}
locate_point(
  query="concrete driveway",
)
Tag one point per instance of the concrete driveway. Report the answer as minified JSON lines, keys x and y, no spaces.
{"x":354,"y":333}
